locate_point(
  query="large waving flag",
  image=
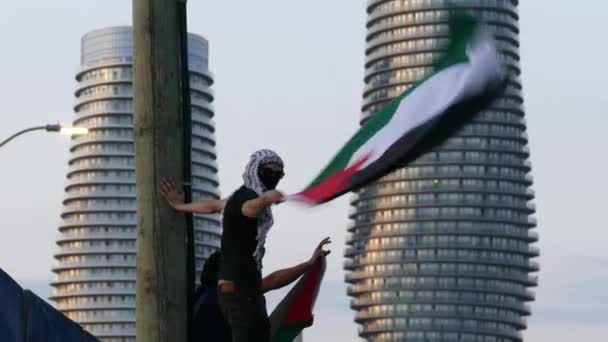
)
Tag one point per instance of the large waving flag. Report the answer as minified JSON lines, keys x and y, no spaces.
{"x":294,"y":312}
{"x":467,"y":77}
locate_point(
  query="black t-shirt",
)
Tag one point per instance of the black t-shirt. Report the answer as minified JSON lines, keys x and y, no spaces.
{"x":239,"y":240}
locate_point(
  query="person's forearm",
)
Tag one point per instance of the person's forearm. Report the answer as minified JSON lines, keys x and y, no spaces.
{"x":284,"y":277}
{"x":254,"y":207}
{"x":203,"y":207}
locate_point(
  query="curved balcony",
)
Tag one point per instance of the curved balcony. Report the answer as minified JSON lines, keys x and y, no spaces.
{"x":74,"y":209}
{"x":372,"y":208}
{"x":205,"y":176}
{"x":73,"y":236}
{"x":67,"y":224}
{"x":207,"y":229}
{"x":199,"y":146}
{"x":101,"y":65}
{"x":108,"y":154}
{"x":98,"y":178}
{"x":517,"y":277}
{"x":420,"y":59}
{"x":130,"y":318}
{"x":503,"y":32}
{"x":422,"y":44}
{"x":520,"y":234}
{"x":70,"y":265}
{"x":83,"y":85}
{"x":61,"y":294}
{"x":433,"y":175}
{"x":522,"y":294}
{"x":440,"y":4}
{"x":104,"y":332}
{"x":90,"y":113}
{"x":517,"y":321}
{"x":367,"y":330}
{"x":203,"y":90}
{"x":87,"y":250}
{"x":65,"y":280}
{"x":527,"y":223}
{"x":83,"y":99}
{"x":98,"y":305}
{"x":374,"y":192}
{"x":205,"y":121}
{"x":489,"y":14}
{"x":106,"y":138}
{"x":206,"y":74}
{"x":527,"y":251}
{"x":202,"y":104}
{"x":527,"y":265}
{"x":358,"y":303}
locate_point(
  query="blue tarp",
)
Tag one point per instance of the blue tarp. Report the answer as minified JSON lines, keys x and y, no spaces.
{"x":45,"y":324}
{"x":89,"y":338}
{"x":22,"y":312}
{"x":11,"y":309}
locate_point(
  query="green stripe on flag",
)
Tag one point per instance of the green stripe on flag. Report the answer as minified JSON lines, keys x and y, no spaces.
{"x":289,"y":332}
{"x":462,"y":29}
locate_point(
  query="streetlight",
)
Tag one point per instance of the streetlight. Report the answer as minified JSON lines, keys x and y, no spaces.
{"x":68,"y":130}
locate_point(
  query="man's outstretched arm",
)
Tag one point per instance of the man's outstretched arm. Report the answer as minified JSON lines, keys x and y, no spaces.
{"x":254,"y":207}
{"x":175,"y":198}
{"x":284,"y":277}
{"x":202,"y":207}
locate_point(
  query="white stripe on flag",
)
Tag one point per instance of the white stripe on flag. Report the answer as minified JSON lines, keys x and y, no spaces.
{"x":434,"y":96}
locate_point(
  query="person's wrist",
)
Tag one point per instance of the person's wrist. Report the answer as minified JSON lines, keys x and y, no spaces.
{"x":268,"y":198}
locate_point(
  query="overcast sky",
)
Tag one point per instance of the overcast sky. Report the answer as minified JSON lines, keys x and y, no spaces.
{"x":289,"y":77}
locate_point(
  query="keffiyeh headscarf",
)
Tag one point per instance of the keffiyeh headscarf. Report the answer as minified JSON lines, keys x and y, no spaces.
{"x":252,"y":181}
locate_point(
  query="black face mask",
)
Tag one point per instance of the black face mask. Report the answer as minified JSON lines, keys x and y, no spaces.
{"x":270,"y":178}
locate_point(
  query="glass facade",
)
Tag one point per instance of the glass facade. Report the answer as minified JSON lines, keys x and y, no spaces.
{"x":442,"y":250}
{"x":95,"y":275}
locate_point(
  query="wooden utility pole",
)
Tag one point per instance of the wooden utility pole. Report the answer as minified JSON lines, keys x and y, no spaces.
{"x":162,"y":285}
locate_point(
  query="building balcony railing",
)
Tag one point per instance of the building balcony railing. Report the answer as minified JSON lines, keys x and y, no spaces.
{"x":363,"y":302}
{"x":89,"y":236}
{"x":528,"y":265}
{"x":531,"y":251}
{"x":499,"y":332}
{"x":518,"y":233}
{"x":525,"y":280}
{"x":516,"y":320}
{"x":67,"y":265}
{"x":497,"y":5}
{"x":115,"y":291}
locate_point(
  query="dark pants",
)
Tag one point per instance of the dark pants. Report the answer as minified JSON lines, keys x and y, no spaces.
{"x":246,"y":313}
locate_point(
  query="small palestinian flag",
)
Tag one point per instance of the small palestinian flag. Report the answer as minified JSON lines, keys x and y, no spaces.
{"x":294,"y":312}
{"x":465,"y":80}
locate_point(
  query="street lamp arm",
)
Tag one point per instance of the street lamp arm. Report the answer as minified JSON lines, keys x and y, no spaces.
{"x":68,"y":130}
{"x":22,"y":132}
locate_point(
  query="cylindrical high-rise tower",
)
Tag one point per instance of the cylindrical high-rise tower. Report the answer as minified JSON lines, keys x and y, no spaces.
{"x":95,"y":263}
{"x":441,"y":250}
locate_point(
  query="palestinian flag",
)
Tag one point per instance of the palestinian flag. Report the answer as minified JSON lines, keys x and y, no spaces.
{"x":294,"y":312}
{"x":465,"y":80}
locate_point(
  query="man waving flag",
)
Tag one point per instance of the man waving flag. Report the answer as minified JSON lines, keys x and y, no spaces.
{"x":465,"y":79}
